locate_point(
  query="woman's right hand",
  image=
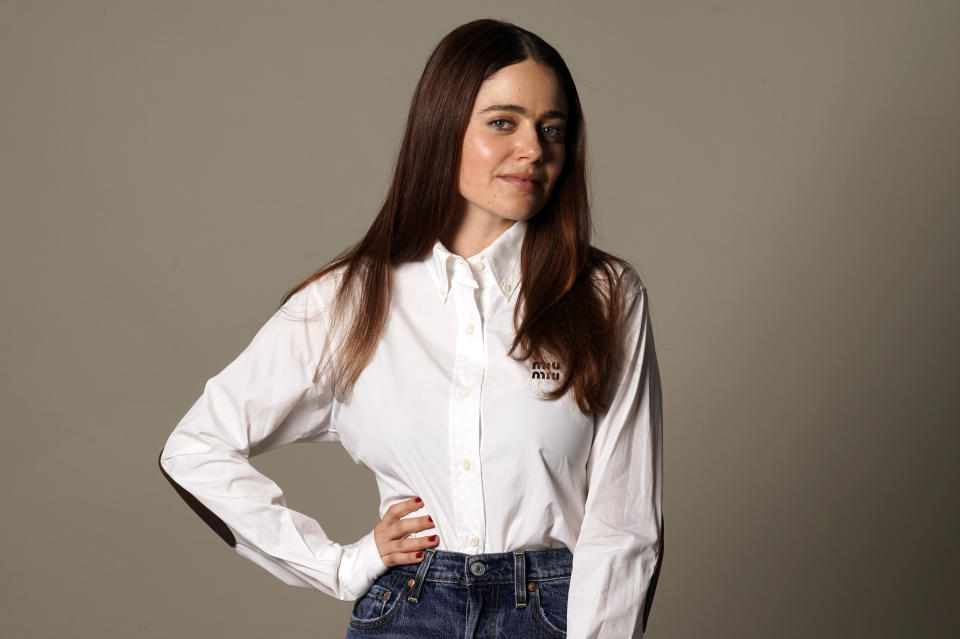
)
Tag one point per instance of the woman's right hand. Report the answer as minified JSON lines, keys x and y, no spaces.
{"x":390,"y":534}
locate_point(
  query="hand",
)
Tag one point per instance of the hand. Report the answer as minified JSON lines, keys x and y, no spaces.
{"x":390,"y":532}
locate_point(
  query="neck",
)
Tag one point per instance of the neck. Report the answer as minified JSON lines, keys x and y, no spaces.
{"x":473,"y":232}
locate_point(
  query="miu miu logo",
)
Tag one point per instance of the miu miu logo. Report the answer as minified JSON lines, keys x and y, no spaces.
{"x":548,"y":370}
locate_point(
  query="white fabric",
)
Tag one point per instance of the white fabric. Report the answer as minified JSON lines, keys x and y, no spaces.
{"x":441,"y":412}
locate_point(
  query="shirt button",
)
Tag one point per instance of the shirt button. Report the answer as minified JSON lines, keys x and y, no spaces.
{"x":466,"y":464}
{"x":477,"y":266}
{"x":470,"y":329}
{"x":474,"y":541}
{"x":464,"y":391}
{"x":506,"y":286}
{"x":443,"y":290}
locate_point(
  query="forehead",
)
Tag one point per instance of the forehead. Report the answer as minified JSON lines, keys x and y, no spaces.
{"x":527,"y":84}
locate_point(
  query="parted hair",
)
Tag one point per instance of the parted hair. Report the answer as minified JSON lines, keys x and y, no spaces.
{"x":573,"y":296}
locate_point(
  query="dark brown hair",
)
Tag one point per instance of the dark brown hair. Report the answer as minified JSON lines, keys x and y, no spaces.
{"x":572,"y":295}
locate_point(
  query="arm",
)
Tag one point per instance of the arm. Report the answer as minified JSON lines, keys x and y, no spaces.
{"x":617,"y":556}
{"x":263,"y":399}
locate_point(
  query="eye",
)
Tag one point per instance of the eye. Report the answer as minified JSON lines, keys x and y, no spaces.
{"x":557,"y":131}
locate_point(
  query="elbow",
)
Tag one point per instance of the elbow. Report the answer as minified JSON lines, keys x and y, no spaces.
{"x":652,"y":589}
{"x":212,"y":520}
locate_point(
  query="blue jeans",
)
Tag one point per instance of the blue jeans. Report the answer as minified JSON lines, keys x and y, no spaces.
{"x":519,"y":594}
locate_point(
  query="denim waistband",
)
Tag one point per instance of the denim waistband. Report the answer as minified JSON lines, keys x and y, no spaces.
{"x":515,"y":566}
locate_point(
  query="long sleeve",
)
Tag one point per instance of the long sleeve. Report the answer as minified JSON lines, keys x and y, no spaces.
{"x":616,"y":561}
{"x":263,"y":399}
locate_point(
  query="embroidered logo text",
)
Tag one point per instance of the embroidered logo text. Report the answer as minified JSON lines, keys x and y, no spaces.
{"x":545,"y":370}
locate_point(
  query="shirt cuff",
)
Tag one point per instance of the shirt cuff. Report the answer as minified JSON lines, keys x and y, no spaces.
{"x":361,"y":566}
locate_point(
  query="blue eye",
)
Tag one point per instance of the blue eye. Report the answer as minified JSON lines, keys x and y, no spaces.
{"x":557,"y":132}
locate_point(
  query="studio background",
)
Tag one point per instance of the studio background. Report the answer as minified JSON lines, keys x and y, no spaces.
{"x":783,"y":175}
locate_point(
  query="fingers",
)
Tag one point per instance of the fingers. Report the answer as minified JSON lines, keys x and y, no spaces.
{"x":393,"y":541}
{"x":395,"y":518}
{"x":413,"y":524}
{"x":401,"y":508}
{"x":407,"y":550}
{"x":414,"y":544}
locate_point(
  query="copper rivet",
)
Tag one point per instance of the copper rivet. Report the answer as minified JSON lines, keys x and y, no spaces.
{"x":411,"y":582}
{"x":531,"y":586}
{"x":386,"y":595}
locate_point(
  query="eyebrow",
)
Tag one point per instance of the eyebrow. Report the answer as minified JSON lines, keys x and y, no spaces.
{"x":516,"y":108}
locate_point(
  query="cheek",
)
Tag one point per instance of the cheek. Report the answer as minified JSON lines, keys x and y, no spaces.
{"x":480,"y":155}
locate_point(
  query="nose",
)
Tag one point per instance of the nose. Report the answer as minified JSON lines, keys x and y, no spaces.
{"x":529,"y":143}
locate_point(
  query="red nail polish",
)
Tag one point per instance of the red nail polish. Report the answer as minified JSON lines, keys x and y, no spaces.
{"x":433,"y":537}
{"x":418,"y":500}
{"x":430,"y":518}
{"x":419,"y":554}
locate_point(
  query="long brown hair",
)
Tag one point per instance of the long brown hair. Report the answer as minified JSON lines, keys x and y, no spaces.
{"x":572,"y":295}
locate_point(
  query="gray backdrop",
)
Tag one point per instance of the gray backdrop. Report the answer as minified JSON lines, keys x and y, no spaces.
{"x":784,"y":176}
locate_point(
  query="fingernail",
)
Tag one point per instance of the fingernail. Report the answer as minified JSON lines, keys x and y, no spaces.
{"x":433,"y":537}
{"x":419,"y":554}
{"x":419,"y":500}
{"x":430,"y":518}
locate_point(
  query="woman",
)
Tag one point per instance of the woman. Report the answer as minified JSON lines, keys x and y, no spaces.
{"x":494,"y":370}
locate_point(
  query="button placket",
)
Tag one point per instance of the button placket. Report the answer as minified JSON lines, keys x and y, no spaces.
{"x":464,"y":430}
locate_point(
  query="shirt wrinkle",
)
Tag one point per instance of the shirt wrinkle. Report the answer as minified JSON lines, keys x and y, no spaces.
{"x":444,"y":413}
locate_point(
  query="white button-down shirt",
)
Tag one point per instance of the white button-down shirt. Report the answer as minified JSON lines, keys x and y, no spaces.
{"x":443,"y":413}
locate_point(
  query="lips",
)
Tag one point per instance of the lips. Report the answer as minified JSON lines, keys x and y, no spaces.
{"x":529,"y":177}
{"x":523,"y":184}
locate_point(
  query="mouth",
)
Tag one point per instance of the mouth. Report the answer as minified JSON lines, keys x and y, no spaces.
{"x":523,"y":183}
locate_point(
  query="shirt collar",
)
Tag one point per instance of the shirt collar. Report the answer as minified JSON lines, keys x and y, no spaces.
{"x":502,"y":257}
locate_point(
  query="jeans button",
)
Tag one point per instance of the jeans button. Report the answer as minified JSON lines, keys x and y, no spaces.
{"x":477,"y":568}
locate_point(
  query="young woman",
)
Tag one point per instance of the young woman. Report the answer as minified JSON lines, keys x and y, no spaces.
{"x":494,"y":370}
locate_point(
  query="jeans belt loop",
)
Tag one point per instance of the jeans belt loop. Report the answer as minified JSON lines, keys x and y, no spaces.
{"x":414,"y":594}
{"x":520,"y":578}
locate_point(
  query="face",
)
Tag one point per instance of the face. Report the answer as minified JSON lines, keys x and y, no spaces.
{"x":517,"y":127}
